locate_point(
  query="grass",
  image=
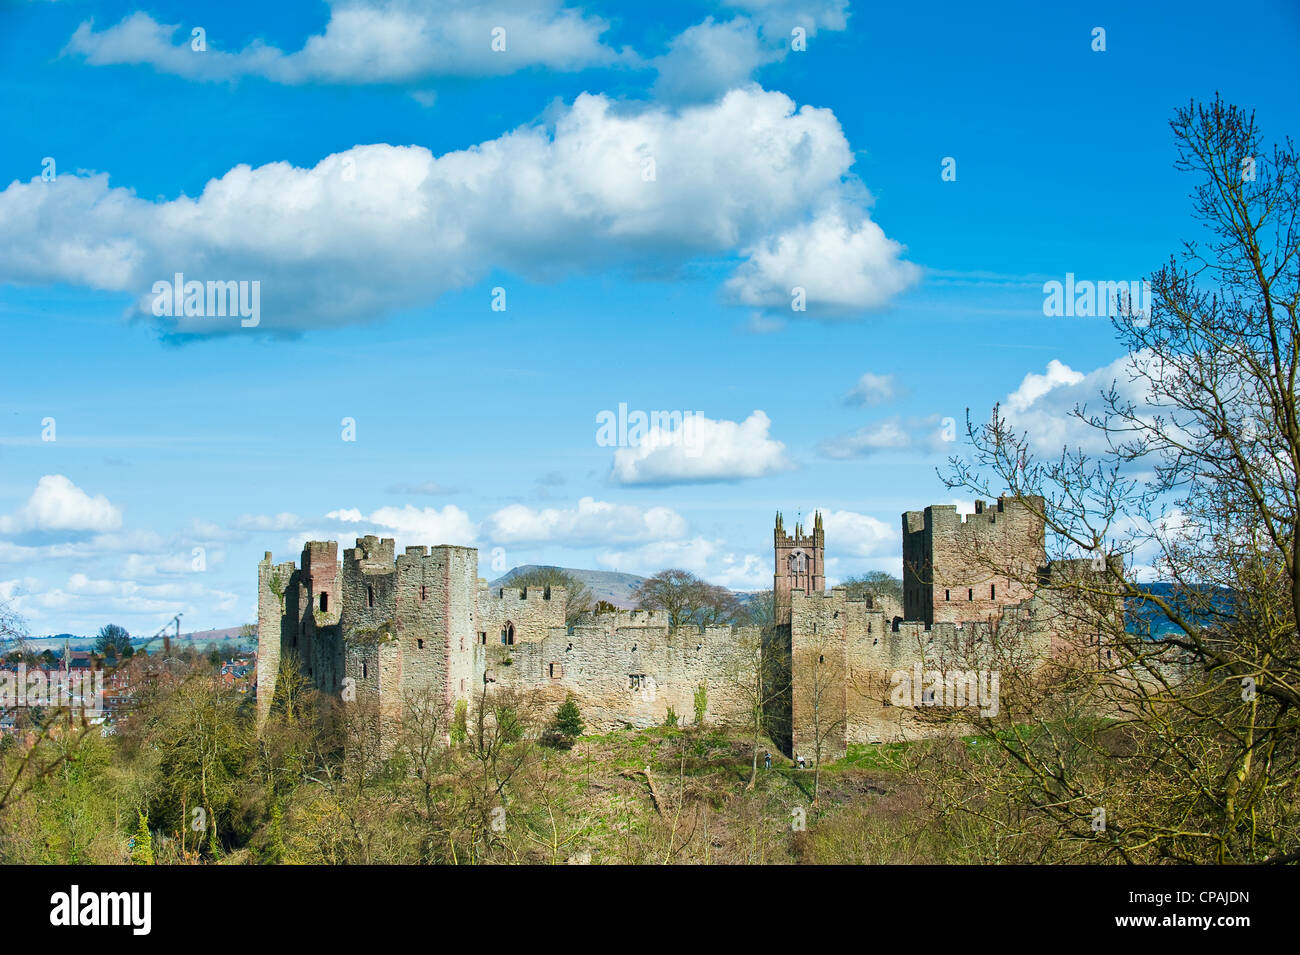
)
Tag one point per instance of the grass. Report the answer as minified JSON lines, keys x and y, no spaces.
{"x":883,"y":757}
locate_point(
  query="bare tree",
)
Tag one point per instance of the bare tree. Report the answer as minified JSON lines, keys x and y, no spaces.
{"x":687,"y":599}
{"x":819,"y":691}
{"x":577,"y":595}
{"x":1177,"y":723}
{"x":756,"y":674}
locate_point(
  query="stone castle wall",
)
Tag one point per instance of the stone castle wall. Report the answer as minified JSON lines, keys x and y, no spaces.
{"x":968,"y":568}
{"x":532,"y":610}
{"x":422,"y":623}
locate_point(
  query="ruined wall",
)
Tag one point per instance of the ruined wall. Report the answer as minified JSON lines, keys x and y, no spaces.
{"x":532,"y":610}
{"x":625,"y":676}
{"x":423,"y":622}
{"x":957,"y":569}
{"x":849,"y":657}
{"x":277,"y":623}
{"x":372,"y":662}
{"x":437,"y":621}
{"x":319,"y":609}
{"x":626,"y":618}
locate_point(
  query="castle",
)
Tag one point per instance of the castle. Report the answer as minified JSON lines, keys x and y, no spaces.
{"x":382,"y":626}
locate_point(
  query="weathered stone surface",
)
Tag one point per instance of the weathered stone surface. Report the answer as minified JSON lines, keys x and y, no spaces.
{"x":390,"y":626}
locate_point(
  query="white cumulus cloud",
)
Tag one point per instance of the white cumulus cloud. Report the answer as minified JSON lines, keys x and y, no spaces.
{"x":711,"y":559}
{"x":591,"y":522}
{"x":710,"y":58}
{"x":1041,"y":406}
{"x":371,"y":41}
{"x":409,"y":525}
{"x":59,"y":505}
{"x":377,"y":227}
{"x":871,"y":389}
{"x":838,"y":263}
{"x":707,"y":450}
{"x":860,"y":535}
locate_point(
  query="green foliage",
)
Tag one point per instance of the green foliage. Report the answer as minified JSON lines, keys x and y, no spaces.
{"x":701,"y":703}
{"x":565,"y":727}
{"x":510,"y":724}
{"x":112,"y":640}
{"x":274,"y":850}
{"x":142,"y":845}
{"x":276,"y":585}
{"x":202,"y":741}
{"x":874,"y":583}
{"x":459,"y":726}
{"x":670,"y":718}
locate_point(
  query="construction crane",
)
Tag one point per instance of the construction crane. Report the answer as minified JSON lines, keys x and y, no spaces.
{"x":167,"y":640}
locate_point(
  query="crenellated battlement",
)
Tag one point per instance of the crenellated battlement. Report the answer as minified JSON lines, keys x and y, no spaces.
{"x":372,"y":554}
{"x":627,"y":618}
{"x":397,"y":626}
{"x":512,"y":594}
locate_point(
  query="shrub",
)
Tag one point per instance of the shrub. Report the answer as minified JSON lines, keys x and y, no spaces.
{"x":565,"y":727}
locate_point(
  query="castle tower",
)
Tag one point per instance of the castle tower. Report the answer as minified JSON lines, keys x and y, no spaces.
{"x":968,"y":568}
{"x":800,"y":565}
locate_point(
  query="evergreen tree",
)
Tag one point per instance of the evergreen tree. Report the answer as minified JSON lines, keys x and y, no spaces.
{"x":565,"y":727}
{"x":142,"y":844}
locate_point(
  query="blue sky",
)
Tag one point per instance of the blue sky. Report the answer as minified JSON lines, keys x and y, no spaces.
{"x":379,"y":170}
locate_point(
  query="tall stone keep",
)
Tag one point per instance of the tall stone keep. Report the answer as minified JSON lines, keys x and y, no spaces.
{"x":969,"y":568}
{"x":800,"y":564}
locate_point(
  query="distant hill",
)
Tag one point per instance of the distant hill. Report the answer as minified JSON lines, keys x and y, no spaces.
{"x":604,"y":584}
{"x":1147,"y":619}
{"x":226,"y":637}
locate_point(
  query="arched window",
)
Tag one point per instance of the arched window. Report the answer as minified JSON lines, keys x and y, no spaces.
{"x":508,"y":634}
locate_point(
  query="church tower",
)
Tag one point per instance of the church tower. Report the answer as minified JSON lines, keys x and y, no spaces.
{"x":800,"y":565}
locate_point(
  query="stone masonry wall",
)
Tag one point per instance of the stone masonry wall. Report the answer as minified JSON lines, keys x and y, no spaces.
{"x":423,"y":622}
{"x":533,"y":611}
{"x":277,"y":621}
{"x":969,"y":568}
{"x":631,"y":675}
